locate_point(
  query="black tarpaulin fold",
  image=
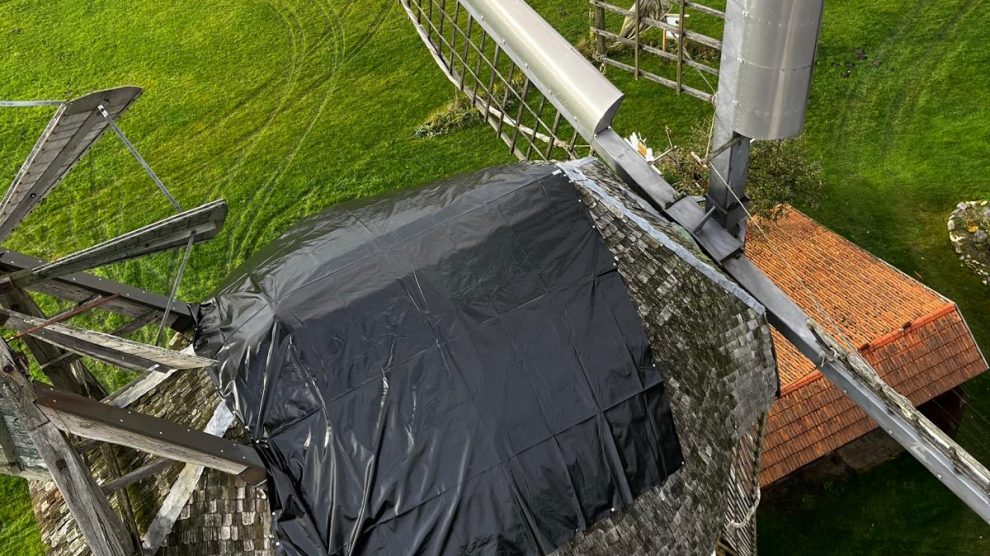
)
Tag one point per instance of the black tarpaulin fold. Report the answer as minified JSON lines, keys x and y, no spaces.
{"x":454,"y":369}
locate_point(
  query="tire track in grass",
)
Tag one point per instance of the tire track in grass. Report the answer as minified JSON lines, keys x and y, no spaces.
{"x":866,"y":99}
{"x":863,"y":95}
{"x":246,"y":145}
{"x":907,"y":102}
{"x":261,"y":194}
{"x":130,"y":204}
{"x":260,"y":228}
{"x":296,"y":30}
{"x":327,"y":81}
{"x":293,"y":27}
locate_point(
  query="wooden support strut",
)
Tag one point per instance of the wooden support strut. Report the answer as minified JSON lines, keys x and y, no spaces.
{"x":154,"y":468}
{"x":65,"y":374}
{"x":130,"y":301}
{"x":122,"y":332}
{"x":105,"y":423}
{"x":110,"y":349}
{"x":203,"y":223}
{"x":103,"y":529}
{"x":183,"y":487}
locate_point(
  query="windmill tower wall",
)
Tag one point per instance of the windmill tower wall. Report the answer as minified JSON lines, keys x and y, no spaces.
{"x":722,"y":379}
{"x":224,"y":515}
{"x":710,"y":335}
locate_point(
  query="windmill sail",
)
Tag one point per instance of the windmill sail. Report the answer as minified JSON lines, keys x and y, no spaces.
{"x":202,"y":223}
{"x":551,"y":71}
{"x":523,"y":115}
{"x":70,"y":134}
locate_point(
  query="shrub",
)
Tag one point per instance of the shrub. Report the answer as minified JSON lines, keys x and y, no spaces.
{"x":780,"y":172}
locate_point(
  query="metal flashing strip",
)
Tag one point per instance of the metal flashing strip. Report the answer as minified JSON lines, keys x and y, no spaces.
{"x":573,"y":171}
{"x":101,"y":422}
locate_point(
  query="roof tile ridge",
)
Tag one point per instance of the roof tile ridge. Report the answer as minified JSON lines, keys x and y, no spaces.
{"x":908,"y":328}
{"x":807,"y":379}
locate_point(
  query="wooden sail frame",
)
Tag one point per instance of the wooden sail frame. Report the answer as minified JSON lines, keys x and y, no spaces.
{"x":36,"y":420}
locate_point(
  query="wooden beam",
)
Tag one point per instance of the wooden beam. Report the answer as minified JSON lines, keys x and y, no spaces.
{"x":141,"y":473}
{"x":10,"y":460}
{"x":202,"y":223}
{"x":130,"y":301}
{"x":69,"y":135}
{"x":182,"y":488}
{"x":133,"y":390}
{"x":122,"y":496}
{"x":65,"y":374}
{"x":104,"y":532}
{"x":109,"y":349}
{"x":97,"y":421}
{"x":122,"y":332}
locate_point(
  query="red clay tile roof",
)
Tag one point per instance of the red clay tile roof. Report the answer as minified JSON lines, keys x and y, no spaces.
{"x":915,"y":338}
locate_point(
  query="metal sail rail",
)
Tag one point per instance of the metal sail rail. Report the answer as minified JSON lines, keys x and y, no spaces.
{"x":70,"y":134}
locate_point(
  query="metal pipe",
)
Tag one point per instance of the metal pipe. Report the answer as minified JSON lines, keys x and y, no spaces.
{"x":137,"y":156}
{"x":29,"y":103}
{"x":572,"y":84}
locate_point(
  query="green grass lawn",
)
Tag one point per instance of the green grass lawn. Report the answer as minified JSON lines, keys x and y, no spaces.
{"x":286,"y":107}
{"x":902,"y":139}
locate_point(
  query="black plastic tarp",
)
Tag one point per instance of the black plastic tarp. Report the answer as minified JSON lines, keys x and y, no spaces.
{"x":454,"y":369}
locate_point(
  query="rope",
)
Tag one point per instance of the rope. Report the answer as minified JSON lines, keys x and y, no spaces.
{"x":749,"y":513}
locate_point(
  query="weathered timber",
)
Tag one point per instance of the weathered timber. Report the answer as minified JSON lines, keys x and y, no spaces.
{"x":202,"y":223}
{"x":129,"y":394}
{"x":68,"y":375}
{"x":139,"y":474}
{"x":101,"y":422}
{"x":104,"y":532}
{"x":10,"y":459}
{"x":122,"y":496}
{"x":133,"y":390}
{"x":130,"y":301}
{"x":183,"y":487}
{"x":104,"y":347}
{"x":71,"y":132}
{"x":8,"y":452}
{"x":122,"y":332}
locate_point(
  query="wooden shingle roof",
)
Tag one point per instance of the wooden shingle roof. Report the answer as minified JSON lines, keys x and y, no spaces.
{"x":915,"y":338}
